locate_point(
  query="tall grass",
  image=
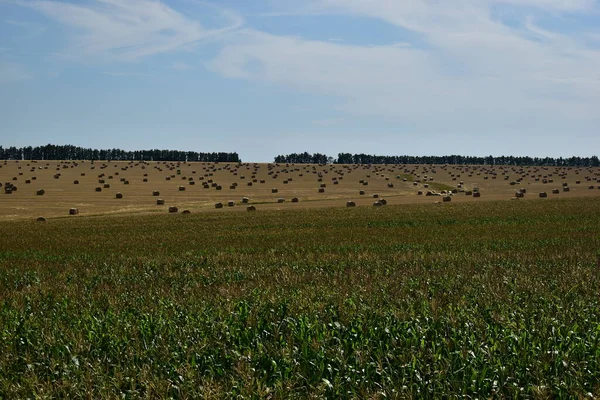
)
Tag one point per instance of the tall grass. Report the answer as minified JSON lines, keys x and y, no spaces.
{"x":475,"y":300}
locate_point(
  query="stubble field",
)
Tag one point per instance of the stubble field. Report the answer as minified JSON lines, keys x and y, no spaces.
{"x":197,"y":187}
{"x":475,"y":298}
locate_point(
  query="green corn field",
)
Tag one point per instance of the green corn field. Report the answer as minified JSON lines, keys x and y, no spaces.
{"x":472,"y":300}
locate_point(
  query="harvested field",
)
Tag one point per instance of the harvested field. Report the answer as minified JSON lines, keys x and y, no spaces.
{"x":138,"y":182}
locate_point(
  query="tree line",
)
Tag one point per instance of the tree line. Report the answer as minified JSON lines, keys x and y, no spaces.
{"x":348,"y":158}
{"x":69,"y":152}
{"x":304,"y":158}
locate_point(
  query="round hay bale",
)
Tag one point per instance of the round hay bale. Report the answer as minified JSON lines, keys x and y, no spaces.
{"x":555,"y":191}
{"x":145,"y":180}
{"x":519,"y":194}
{"x":250,"y":208}
{"x":73,"y":211}
{"x":186,"y":212}
{"x":361,"y":192}
{"x":98,"y":189}
{"x":160,"y":202}
{"x":383,"y":201}
{"x":232,"y":187}
{"x":350,"y":204}
{"x":75,"y":182}
{"x":446,"y":199}
{"x":41,"y":219}
{"x":391,"y":185}
{"x":566,"y":189}
{"x":181,"y":188}
{"x":173,"y":209}
{"x":476,"y":194}
{"x":375,"y":195}
{"x":468,"y":193}
{"x":230,"y":203}
{"x":377,"y":204}
{"x":156,"y":193}
{"x":543,"y":194}
{"x":274,"y":190}
{"x":295,"y":200}
{"x":119,"y":195}
{"x":420,"y":193}
{"x":40,"y":192}
{"x":218,"y":205}
{"x":27,"y":180}
{"x":249,"y":183}
{"x":321,"y":190}
{"x":281,"y":200}
{"x":245,"y":200}
{"x":218,"y":187}
{"x":106,"y":185}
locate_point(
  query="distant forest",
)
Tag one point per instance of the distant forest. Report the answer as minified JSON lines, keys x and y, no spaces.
{"x":68,"y":152}
{"x":347,"y":158}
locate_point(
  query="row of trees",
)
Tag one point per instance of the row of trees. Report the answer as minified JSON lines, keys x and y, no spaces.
{"x":68,"y":152}
{"x":347,"y":158}
{"x":304,"y":158}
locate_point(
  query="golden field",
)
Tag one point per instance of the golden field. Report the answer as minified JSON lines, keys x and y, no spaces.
{"x":74,"y":184}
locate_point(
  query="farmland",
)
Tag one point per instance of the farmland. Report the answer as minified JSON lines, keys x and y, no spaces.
{"x":134,"y":187}
{"x":490,"y":299}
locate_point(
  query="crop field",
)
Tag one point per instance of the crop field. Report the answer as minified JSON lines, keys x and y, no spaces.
{"x":32,"y":189}
{"x":477,"y":299}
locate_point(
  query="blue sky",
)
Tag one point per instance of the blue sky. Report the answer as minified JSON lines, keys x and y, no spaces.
{"x":419,"y":77}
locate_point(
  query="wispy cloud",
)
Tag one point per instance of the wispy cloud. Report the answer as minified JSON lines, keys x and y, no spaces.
{"x":326,"y":122}
{"x":13,"y":72}
{"x":125,"y":74}
{"x":474,"y":70}
{"x":127,"y":29}
{"x":181,"y":66}
{"x":31,"y":29}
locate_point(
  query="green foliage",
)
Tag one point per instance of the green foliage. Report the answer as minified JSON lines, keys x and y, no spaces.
{"x":486,"y":300}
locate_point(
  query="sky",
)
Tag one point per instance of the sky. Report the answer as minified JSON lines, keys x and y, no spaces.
{"x":269,"y":77}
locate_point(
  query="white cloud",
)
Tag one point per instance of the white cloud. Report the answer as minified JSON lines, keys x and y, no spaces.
{"x":127,"y":29}
{"x":12,"y":72}
{"x":474,"y":70}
